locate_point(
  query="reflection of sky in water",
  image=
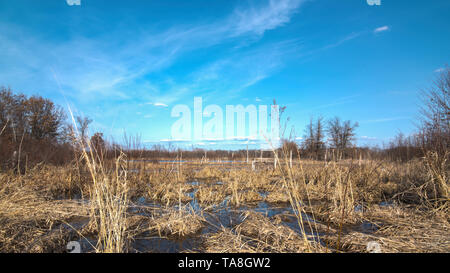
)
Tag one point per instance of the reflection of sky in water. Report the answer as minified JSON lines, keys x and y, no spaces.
{"x":217,"y":216}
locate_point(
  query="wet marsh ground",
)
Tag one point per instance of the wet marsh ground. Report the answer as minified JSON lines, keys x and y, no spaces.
{"x":193,"y":206}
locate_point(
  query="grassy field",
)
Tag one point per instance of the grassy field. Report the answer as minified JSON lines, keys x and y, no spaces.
{"x":177,"y":206}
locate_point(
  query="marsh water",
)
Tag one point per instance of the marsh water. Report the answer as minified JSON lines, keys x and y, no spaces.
{"x":216,"y":217}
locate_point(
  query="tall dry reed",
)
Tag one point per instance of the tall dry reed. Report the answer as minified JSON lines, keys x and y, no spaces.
{"x":108,"y":197}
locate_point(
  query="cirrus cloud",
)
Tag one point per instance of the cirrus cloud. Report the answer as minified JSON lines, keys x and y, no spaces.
{"x":381,"y":29}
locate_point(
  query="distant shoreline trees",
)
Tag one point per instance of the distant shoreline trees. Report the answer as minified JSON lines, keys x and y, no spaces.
{"x":35,"y":117}
{"x":32,"y":130}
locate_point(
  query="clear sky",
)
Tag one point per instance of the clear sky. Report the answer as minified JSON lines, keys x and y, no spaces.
{"x":126,"y":64}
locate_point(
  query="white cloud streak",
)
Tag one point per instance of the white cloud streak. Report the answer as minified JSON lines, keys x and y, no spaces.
{"x":73,"y":2}
{"x":384,"y":120}
{"x":381,"y":29}
{"x":107,"y":67}
{"x":264,"y":18}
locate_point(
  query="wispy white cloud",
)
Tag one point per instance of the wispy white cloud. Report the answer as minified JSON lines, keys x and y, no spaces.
{"x":264,"y":18}
{"x":347,"y":38}
{"x":160,"y":104}
{"x":384,"y":120}
{"x":368,"y":138}
{"x":334,"y":44}
{"x":335,"y":102}
{"x":381,"y":29}
{"x":157,"y":104}
{"x":242,"y":70}
{"x":73,"y":2}
{"x":110,"y":68}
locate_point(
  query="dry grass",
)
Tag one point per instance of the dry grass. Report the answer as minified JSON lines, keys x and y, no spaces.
{"x":227,"y":241}
{"x":166,"y":223}
{"x":109,"y":203}
{"x":398,"y":229}
{"x":36,"y":207}
{"x":277,"y":196}
{"x":207,"y":195}
{"x":177,"y":223}
{"x":33,"y":222}
{"x":275,"y":237}
{"x":257,"y":234}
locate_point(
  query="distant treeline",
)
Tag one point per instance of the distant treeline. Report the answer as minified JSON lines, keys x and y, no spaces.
{"x":31,"y":131}
{"x":34,"y":130}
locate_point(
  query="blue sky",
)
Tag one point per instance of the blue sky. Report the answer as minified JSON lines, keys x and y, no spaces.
{"x":126,"y":64}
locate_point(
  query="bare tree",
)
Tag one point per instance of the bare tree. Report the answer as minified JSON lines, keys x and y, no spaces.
{"x":12,"y":114}
{"x":334,"y":131}
{"x":314,"y":135}
{"x":44,"y":118}
{"x":318,"y":138}
{"x":342,"y":134}
{"x":32,"y":129}
{"x":308,"y":143}
{"x":435,"y":120}
{"x":98,"y":144}
{"x":83,"y":125}
{"x":435,"y":133}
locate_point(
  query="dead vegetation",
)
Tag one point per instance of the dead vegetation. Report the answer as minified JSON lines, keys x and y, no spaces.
{"x":334,"y":207}
{"x":179,"y":223}
{"x":33,"y":222}
{"x":395,"y":229}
